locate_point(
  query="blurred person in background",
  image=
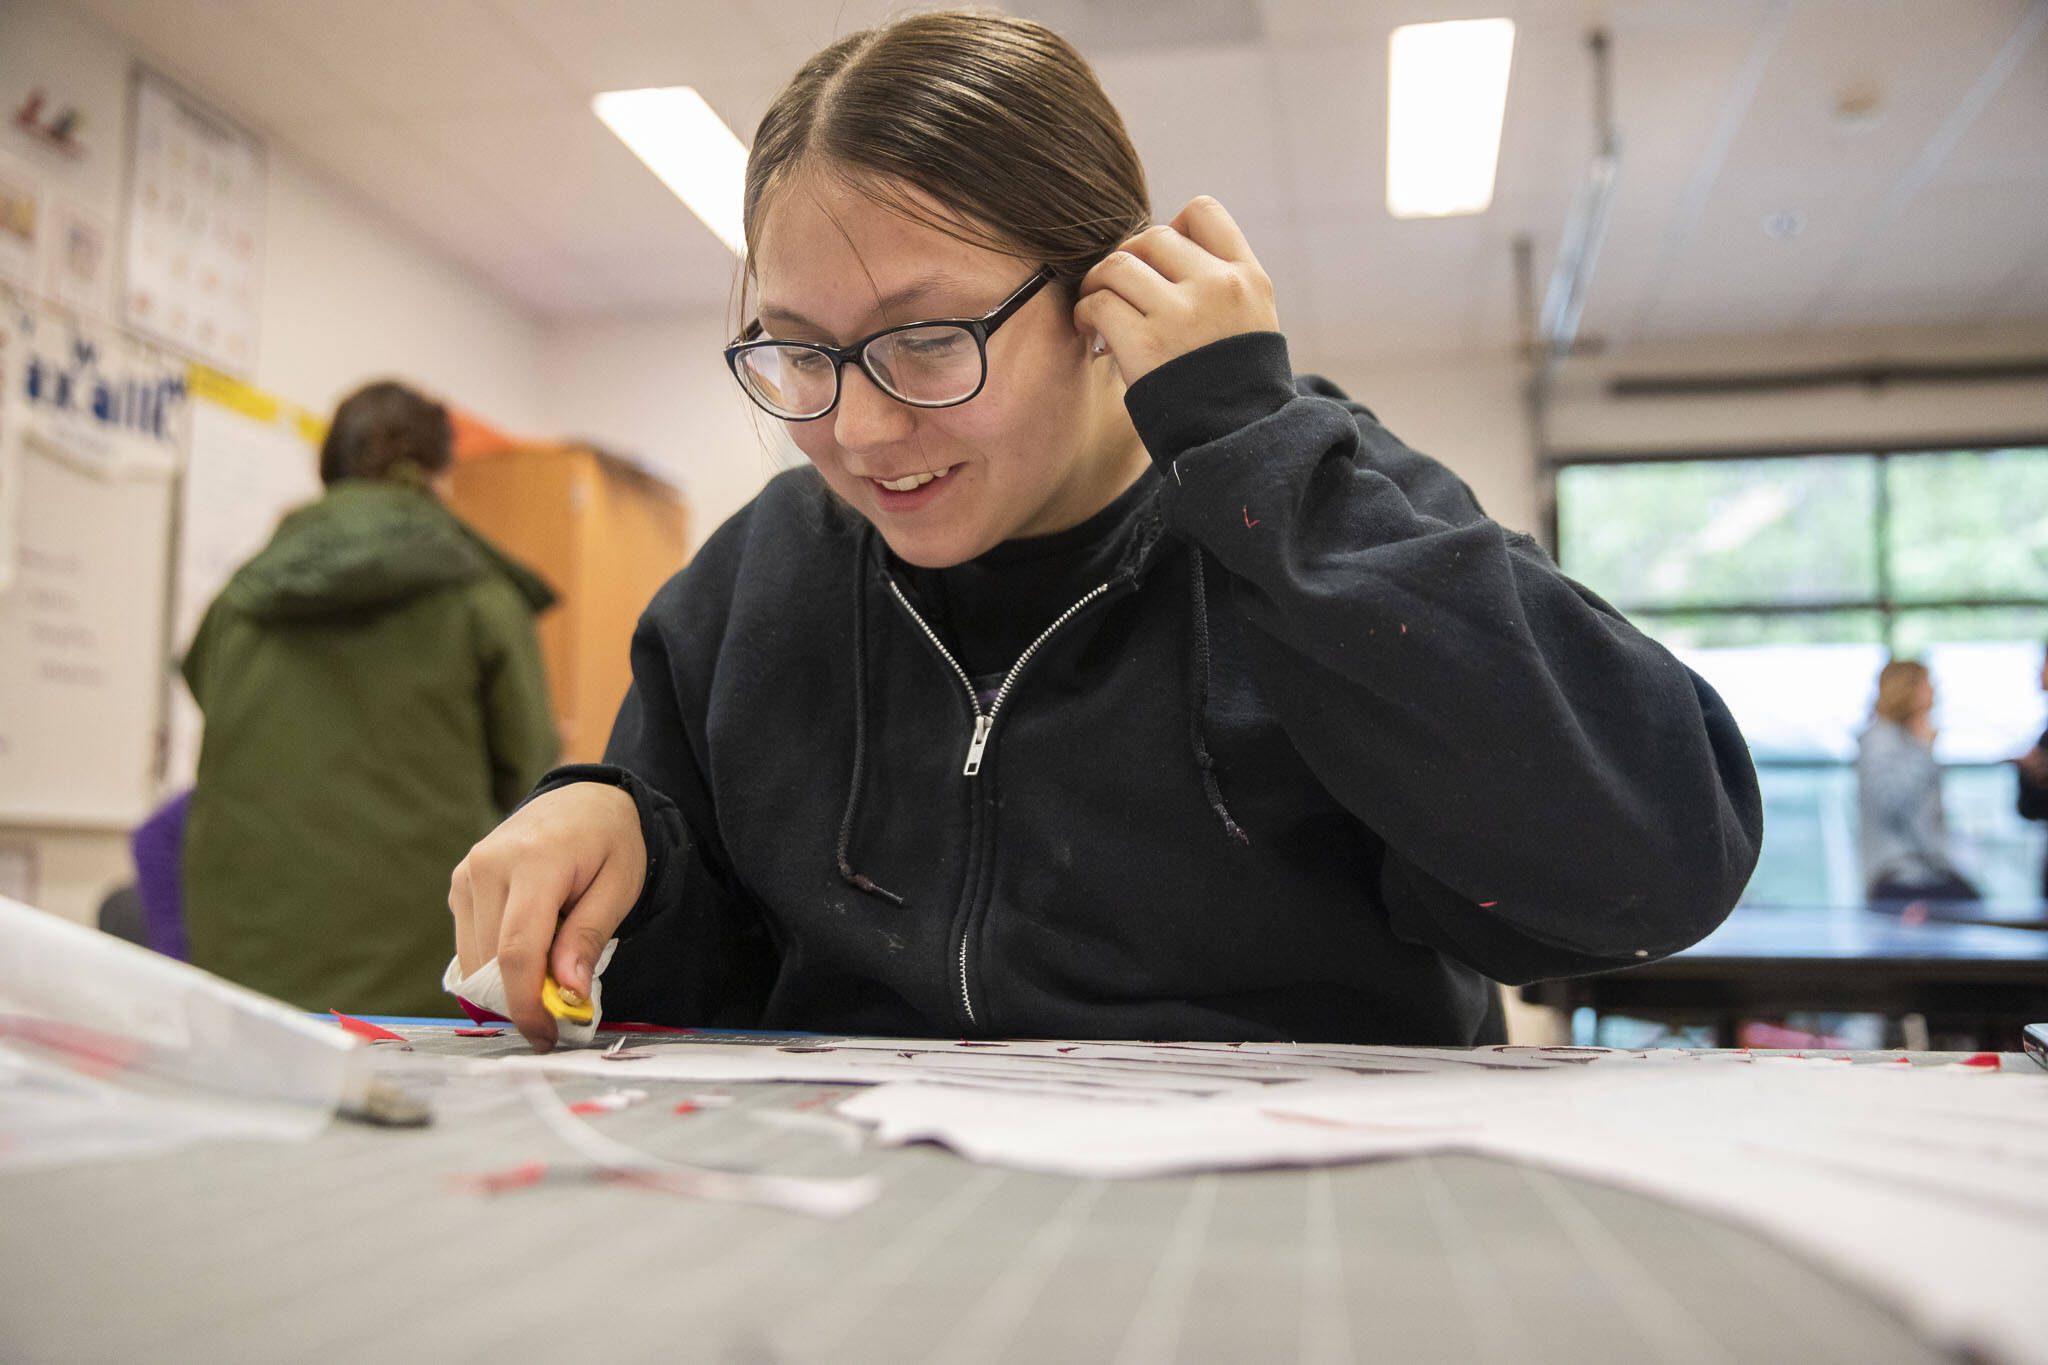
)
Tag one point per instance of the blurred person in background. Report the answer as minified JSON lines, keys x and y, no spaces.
{"x":2033,"y":767}
{"x":374,"y":705}
{"x":1902,"y":831}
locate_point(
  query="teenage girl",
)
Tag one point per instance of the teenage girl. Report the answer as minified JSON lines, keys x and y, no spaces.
{"x":1100,"y":677}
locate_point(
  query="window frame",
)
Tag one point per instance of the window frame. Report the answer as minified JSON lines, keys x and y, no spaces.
{"x":1888,"y":607}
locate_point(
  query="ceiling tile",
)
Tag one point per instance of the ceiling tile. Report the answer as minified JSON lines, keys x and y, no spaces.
{"x":611,"y":199}
{"x":1954,"y":241}
{"x":1917,"y":61}
{"x":2009,"y":140}
{"x":1733,"y":277}
{"x":1202,"y":121}
{"x":600,"y":45}
{"x":1330,"y":124}
{"x":210,"y":46}
{"x":388,"y":165}
{"x":2023,"y":298}
{"x":408,"y":56}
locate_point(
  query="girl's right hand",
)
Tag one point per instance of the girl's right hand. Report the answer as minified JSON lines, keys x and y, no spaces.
{"x":543,"y":892}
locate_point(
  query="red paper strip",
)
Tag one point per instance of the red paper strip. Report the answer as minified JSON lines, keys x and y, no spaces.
{"x":1988,"y":1060}
{"x":479,"y":1032}
{"x":511,"y":1178}
{"x":363,"y":1028}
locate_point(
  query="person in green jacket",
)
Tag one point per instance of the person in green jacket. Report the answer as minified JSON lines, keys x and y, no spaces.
{"x":374,"y":705}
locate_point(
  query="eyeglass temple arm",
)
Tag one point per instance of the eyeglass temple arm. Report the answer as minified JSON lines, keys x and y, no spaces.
{"x":1017,"y":300}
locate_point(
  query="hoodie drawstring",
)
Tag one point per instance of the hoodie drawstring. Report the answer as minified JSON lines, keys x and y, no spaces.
{"x":1198,"y":698}
{"x":860,"y":723}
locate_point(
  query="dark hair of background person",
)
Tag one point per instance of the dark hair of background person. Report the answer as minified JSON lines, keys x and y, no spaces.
{"x":1898,"y":690}
{"x":999,"y":121}
{"x":383,"y":425}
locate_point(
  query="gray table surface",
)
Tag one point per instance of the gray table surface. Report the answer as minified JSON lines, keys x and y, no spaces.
{"x":362,"y":1245}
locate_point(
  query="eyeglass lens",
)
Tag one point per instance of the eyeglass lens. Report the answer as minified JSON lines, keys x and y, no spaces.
{"x":932,"y":366}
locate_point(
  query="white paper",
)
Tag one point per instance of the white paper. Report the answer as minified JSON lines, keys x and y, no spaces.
{"x":1927,"y":1185}
{"x":1107,"y":1071}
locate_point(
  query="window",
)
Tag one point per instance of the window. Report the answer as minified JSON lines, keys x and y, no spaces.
{"x":1786,"y":580}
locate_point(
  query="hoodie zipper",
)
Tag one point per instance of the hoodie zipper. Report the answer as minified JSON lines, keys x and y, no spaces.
{"x":985,"y":721}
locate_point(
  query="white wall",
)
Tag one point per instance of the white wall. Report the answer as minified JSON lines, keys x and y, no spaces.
{"x":1467,"y":413}
{"x":345,"y":296}
{"x":657,"y":389}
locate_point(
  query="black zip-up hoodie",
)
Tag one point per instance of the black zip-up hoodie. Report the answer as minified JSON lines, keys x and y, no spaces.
{"x":1328,"y":751}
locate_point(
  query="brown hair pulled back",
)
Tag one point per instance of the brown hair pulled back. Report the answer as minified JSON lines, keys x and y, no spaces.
{"x":383,"y":425}
{"x":1898,"y":690}
{"x":997,"y":120}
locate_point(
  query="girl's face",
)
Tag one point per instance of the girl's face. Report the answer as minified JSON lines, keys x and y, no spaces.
{"x":1043,"y":446}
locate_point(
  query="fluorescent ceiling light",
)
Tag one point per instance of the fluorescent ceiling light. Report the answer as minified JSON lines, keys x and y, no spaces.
{"x":689,"y":147}
{"x":1446,"y":98}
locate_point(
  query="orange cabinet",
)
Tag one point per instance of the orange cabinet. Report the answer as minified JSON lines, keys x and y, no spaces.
{"x":605,"y":535}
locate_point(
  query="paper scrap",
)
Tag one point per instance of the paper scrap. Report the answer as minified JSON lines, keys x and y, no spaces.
{"x":848,"y":1135}
{"x":363,"y":1028}
{"x":817,"y":1196}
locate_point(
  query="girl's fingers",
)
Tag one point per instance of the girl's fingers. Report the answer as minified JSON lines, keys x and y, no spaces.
{"x":533,"y":905}
{"x":1170,"y":253}
{"x":1137,"y":283}
{"x":590,"y":922}
{"x":1108,"y":315}
{"x":460,"y":903}
{"x":1212,"y":228}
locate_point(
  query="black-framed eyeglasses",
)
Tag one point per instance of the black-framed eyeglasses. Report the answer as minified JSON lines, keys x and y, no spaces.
{"x":938,"y":363}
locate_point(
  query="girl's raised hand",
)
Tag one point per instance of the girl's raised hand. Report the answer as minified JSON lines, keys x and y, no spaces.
{"x":1174,"y":288}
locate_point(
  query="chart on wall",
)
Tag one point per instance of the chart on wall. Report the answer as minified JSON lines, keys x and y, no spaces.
{"x":21,"y":212}
{"x":195,"y":228}
{"x":91,"y":425}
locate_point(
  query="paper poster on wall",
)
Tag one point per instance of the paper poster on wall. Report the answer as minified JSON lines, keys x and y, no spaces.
{"x":251,"y":459}
{"x":195,"y":227}
{"x":10,"y":430}
{"x":96,"y":398}
{"x":21,"y":211}
{"x":78,"y":258}
{"x":96,"y":419}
